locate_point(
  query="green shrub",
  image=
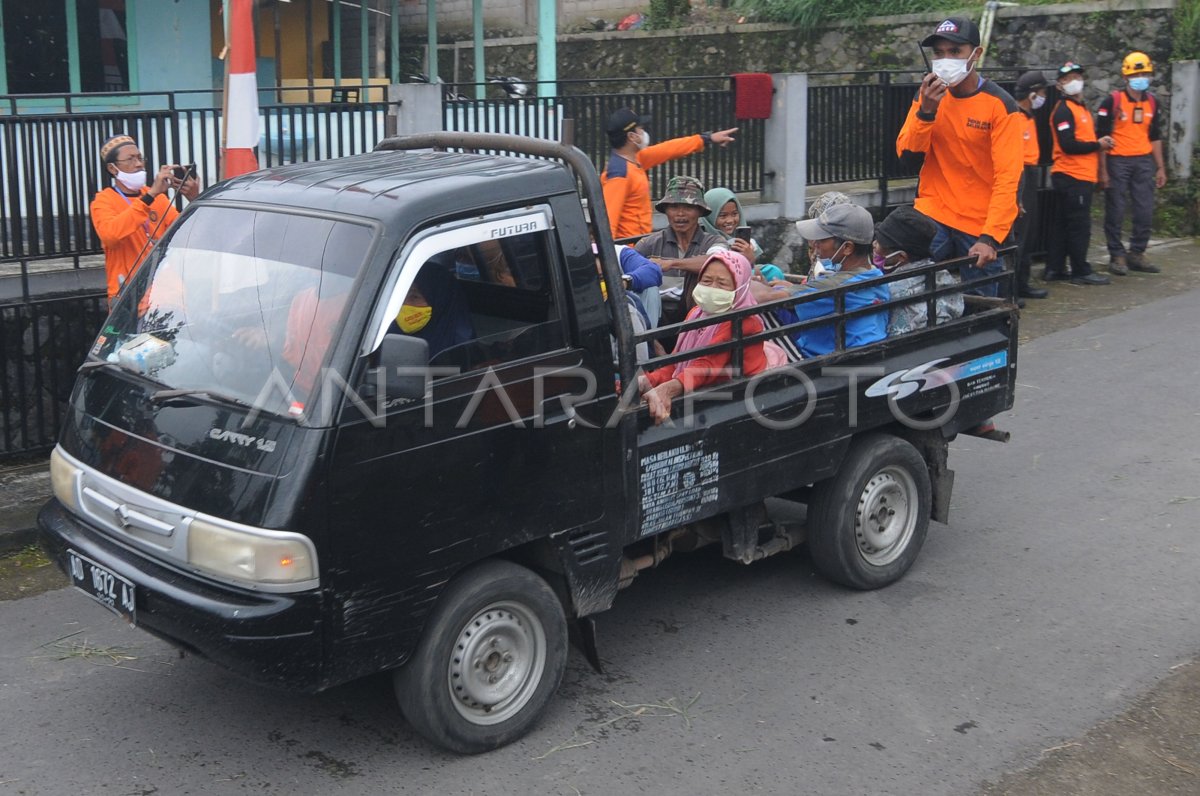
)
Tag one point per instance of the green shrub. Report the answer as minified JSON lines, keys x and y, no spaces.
{"x":1187,"y":30}
{"x":668,"y":13}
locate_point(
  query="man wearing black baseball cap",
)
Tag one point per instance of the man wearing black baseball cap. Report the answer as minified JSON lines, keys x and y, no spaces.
{"x":967,"y":131}
{"x":626,"y":188}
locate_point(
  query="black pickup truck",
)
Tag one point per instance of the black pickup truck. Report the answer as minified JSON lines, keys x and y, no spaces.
{"x":277,"y":458}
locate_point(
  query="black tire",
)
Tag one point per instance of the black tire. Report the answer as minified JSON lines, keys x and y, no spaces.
{"x":867,"y":523}
{"x":492,"y":656}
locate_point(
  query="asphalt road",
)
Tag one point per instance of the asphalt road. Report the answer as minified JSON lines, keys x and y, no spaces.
{"x":1064,"y":586}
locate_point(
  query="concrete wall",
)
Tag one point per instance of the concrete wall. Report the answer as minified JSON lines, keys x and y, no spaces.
{"x":1096,"y":34}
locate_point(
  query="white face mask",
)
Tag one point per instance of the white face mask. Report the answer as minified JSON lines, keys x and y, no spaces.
{"x":952,"y":71}
{"x":1037,"y":101}
{"x":1073,"y":88}
{"x":645,"y":142}
{"x":132,"y":181}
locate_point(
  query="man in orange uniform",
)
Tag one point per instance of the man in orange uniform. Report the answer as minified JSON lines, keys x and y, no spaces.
{"x":1030,"y":94}
{"x":1134,"y":167}
{"x":128,"y":216}
{"x":626,"y":189}
{"x":968,"y":130}
{"x":1073,"y":175}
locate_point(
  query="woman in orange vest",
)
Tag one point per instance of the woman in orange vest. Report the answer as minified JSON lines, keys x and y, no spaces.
{"x":128,"y":215}
{"x":1073,"y":175}
{"x":1134,"y":167}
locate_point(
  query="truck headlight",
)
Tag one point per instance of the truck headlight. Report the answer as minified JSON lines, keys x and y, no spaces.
{"x":250,"y":556}
{"x":64,"y":480}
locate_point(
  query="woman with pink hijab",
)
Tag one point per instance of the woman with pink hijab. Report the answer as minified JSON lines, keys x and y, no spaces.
{"x":724,"y":285}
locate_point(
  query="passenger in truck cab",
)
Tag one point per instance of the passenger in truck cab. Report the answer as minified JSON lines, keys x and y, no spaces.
{"x":724,"y":285}
{"x":435,"y":309}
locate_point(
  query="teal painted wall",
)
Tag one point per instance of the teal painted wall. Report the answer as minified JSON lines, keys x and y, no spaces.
{"x":172,"y":41}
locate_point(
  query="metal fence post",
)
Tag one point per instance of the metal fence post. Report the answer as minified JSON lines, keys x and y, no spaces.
{"x":886,"y":139}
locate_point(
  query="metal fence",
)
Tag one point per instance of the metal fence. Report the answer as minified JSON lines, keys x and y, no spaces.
{"x":678,"y":106}
{"x":42,"y":343}
{"x":50,"y":166}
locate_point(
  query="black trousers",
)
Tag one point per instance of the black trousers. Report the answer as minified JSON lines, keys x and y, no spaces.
{"x":1072,"y":231}
{"x":1025,"y":228}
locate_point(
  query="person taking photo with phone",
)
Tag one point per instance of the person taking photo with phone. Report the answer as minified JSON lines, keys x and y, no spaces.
{"x":130,"y":214}
{"x":967,"y":130}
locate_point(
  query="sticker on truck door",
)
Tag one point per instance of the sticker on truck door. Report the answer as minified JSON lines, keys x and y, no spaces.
{"x":676,"y":484}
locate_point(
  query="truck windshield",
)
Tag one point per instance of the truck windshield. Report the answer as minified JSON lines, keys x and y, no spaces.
{"x":242,"y":304}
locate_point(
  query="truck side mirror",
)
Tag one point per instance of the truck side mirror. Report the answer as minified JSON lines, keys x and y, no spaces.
{"x":404,"y":360}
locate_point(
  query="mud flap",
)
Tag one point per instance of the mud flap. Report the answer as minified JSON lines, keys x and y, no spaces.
{"x":583,"y":636}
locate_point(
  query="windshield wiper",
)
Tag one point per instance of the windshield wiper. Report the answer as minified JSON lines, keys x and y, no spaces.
{"x":92,"y":364}
{"x":162,"y":396}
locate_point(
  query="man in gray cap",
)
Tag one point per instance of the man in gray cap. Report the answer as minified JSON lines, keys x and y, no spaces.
{"x":682,"y":245}
{"x":841,"y":240}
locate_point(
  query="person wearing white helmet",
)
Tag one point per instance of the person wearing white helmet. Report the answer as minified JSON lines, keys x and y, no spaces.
{"x":1134,"y":167}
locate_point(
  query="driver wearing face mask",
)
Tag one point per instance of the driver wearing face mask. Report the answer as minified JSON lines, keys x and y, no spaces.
{"x":966,"y":132}
{"x":626,"y":188}
{"x":129,"y":215}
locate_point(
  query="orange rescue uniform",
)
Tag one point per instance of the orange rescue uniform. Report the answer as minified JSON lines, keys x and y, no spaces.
{"x":627,"y":190}
{"x":1133,"y":124}
{"x":125,"y":224}
{"x":1075,"y":144}
{"x":974,"y":157}
{"x":1030,"y":138}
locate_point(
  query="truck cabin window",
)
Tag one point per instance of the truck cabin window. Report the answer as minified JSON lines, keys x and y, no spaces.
{"x":242,"y":304}
{"x":484,"y":304}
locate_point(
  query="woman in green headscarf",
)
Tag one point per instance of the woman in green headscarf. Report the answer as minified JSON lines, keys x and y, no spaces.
{"x":724,"y":219}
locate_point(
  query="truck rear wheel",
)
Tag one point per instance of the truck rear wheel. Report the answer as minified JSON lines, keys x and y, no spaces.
{"x":492,"y":656}
{"x":867,"y":523}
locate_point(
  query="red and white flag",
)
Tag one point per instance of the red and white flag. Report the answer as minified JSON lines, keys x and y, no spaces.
{"x":241,"y":93}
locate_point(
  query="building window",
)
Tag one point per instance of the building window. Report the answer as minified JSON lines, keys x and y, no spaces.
{"x":65,"y":46}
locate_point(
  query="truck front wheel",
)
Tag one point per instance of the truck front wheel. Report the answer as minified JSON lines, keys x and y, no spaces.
{"x":867,"y":523}
{"x":491,"y":658}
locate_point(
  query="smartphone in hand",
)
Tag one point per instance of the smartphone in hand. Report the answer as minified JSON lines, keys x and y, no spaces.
{"x":183,"y":172}
{"x":742,"y":233}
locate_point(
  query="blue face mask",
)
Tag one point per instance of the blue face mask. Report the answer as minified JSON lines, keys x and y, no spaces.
{"x":826,"y":265}
{"x":1139,"y":83}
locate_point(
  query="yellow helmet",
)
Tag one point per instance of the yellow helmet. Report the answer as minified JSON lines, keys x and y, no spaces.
{"x":1135,"y":63}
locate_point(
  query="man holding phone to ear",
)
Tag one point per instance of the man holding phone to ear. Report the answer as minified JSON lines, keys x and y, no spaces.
{"x":130,"y":215}
{"x":967,"y":130}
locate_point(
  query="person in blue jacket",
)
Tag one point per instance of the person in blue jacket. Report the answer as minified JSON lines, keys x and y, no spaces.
{"x":841,"y":241}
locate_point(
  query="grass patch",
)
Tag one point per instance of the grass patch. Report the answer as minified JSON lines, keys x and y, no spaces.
{"x":28,"y":557}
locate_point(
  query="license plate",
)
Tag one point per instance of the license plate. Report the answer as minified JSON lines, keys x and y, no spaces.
{"x":103,"y":585}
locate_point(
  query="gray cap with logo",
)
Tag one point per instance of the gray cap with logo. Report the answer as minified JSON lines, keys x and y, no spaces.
{"x":844,"y":222}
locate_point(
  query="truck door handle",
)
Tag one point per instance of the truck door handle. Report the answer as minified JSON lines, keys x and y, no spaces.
{"x":553,"y":410}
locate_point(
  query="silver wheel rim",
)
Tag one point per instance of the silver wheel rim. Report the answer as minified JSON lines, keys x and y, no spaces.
{"x":886,"y":516}
{"x":497,"y":663}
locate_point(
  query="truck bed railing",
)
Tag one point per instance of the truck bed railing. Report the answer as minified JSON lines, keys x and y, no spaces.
{"x":839,"y":317}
